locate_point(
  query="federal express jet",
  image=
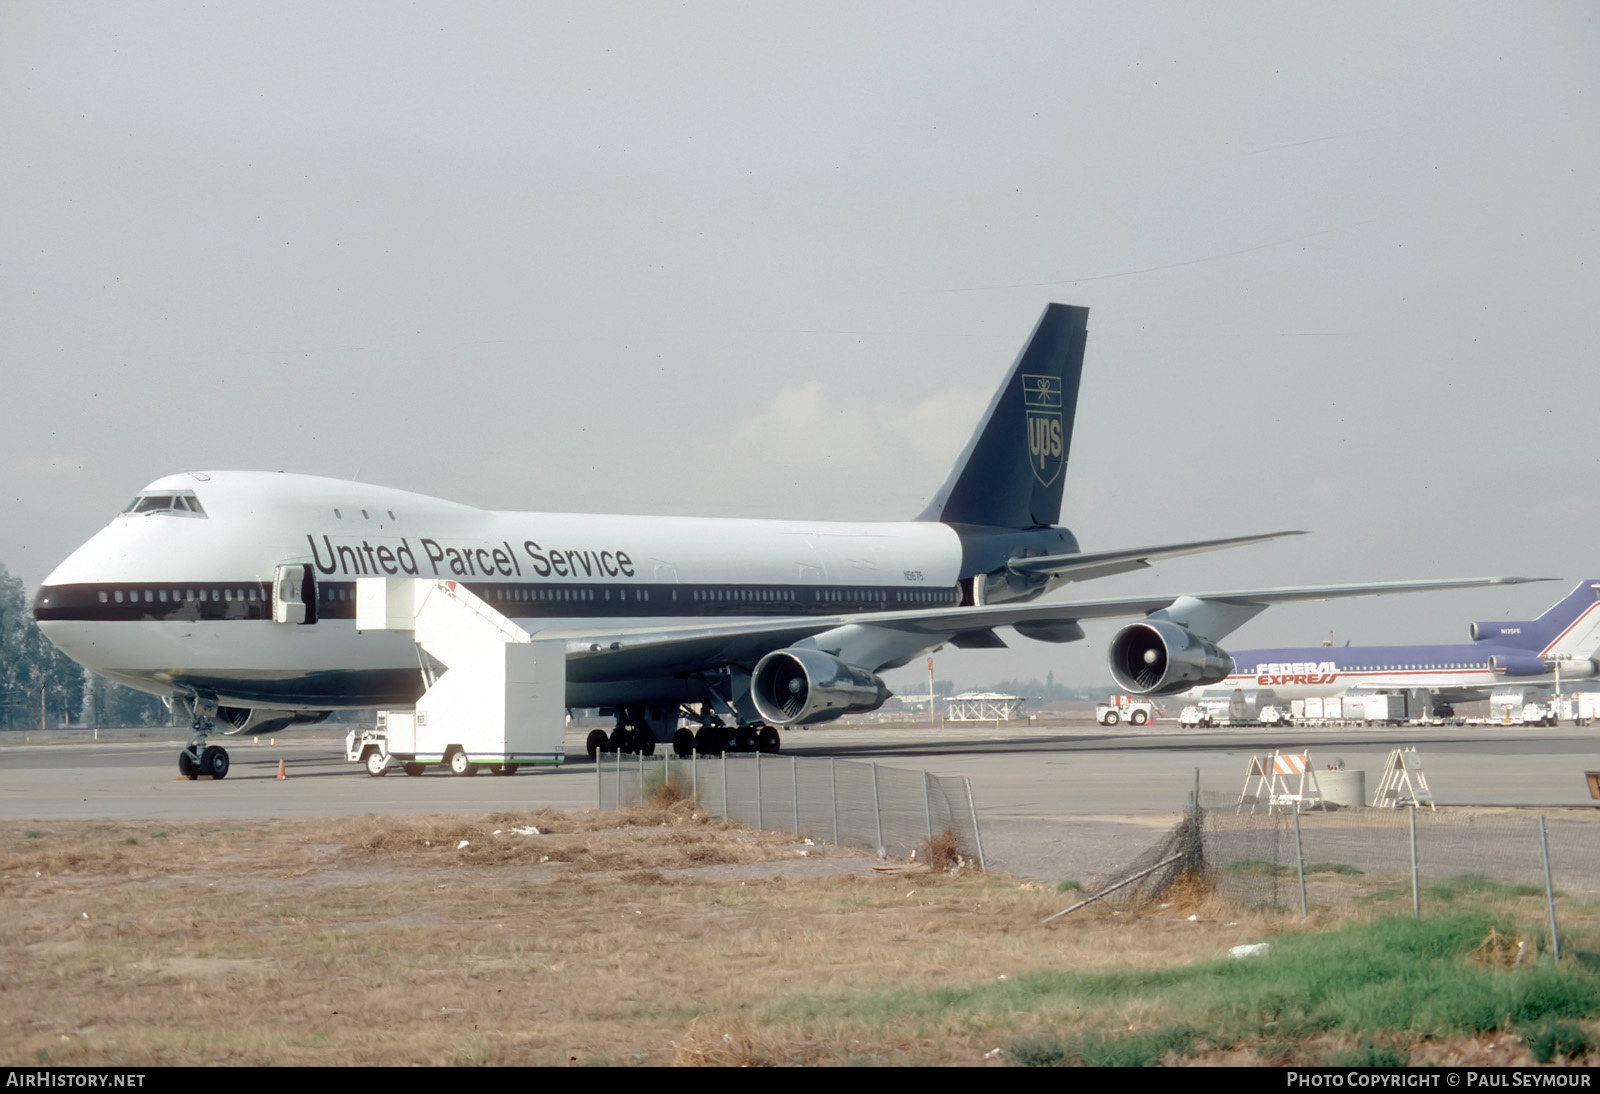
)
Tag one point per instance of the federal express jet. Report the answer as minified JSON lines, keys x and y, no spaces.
{"x":1515,"y":659}
{"x":232,"y":593}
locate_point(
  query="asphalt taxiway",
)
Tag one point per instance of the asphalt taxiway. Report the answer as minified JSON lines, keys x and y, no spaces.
{"x":1042,"y":791}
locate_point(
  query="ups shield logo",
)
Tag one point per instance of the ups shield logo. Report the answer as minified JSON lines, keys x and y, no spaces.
{"x":1041,"y":396}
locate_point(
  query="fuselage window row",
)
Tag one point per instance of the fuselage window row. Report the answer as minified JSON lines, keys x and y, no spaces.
{"x":338,"y":598}
{"x":151,"y":596}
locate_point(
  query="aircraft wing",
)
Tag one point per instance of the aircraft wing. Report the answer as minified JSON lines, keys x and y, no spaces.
{"x":1082,"y":567}
{"x":700,"y":646}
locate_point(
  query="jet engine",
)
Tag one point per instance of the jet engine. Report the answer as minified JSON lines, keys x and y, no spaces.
{"x":236,"y":720}
{"x":1498,"y":629}
{"x":1157,"y":657}
{"x":1528,"y":664}
{"x":797,"y":687}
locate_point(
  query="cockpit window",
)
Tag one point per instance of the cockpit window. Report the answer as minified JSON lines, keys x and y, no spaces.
{"x":171,"y":502}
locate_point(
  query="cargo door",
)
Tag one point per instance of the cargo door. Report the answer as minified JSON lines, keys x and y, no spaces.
{"x":294,"y":594}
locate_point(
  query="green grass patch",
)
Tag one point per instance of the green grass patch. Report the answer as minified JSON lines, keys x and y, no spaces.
{"x":1334,"y":868}
{"x":1477,"y":887}
{"x":1070,"y":885}
{"x":1368,"y":1054}
{"x":1376,"y":981}
{"x":1146,"y":1048}
{"x":1549,"y":1040}
{"x":1388,"y":893}
{"x":1581,"y":958}
{"x":1255,"y":867}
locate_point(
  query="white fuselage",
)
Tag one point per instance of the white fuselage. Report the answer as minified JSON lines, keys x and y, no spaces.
{"x":176,"y":599}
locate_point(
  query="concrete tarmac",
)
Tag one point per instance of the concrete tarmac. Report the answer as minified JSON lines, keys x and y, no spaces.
{"x":1054,"y":801}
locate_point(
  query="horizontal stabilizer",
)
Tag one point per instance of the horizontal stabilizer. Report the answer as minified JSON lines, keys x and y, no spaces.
{"x":1082,"y":567}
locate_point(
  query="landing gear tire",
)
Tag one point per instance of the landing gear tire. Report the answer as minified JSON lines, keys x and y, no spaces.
{"x":377,"y":763}
{"x":413,"y":768}
{"x":186,"y":766}
{"x":767,"y":740}
{"x":460,"y":765}
{"x":683,"y":743}
{"x":643,"y":743}
{"x":214,"y":762}
{"x":740,"y":739}
{"x":708,"y":741}
{"x":597,"y":742}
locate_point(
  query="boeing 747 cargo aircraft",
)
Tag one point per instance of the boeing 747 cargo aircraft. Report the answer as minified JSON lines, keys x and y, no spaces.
{"x":232,"y":593}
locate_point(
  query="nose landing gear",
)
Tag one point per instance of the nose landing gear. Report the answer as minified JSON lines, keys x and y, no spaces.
{"x":197,"y":757}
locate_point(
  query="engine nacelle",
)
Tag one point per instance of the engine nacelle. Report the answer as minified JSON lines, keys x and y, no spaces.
{"x":236,"y":720}
{"x":798,"y":687}
{"x":1494,"y":630}
{"x":1528,"y":664}
{"x":1157,"y":657}
{"x":1517,"y":664}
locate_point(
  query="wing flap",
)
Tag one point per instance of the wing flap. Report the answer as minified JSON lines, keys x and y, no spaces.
{"x":1082,"y":567}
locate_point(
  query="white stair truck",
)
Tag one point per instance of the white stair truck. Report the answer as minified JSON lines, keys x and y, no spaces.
{"x":494,"y":696}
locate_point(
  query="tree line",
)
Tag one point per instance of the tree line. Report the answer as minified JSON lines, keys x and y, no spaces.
{"x":41,"y":687}
{"x":1048,"y":690}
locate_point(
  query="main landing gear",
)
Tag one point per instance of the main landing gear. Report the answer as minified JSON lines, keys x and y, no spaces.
{"x":638,"y":733}
{"x":197,"y":757}
{"x":716,"y":739}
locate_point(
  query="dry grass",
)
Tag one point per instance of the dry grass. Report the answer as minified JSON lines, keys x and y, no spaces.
{"x":1501,"y":951}
{"x":653,"y":935}
{"x":944,"y":851}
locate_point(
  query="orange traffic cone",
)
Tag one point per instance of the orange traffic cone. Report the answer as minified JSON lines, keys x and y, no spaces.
{"x":281,"y":775}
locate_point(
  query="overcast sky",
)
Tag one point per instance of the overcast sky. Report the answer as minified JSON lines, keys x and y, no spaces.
{"x":1342,"y":261}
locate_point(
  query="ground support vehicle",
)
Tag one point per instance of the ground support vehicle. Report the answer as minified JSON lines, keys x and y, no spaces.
{"x":1125,"y":708}
{"x":1582,"y":709}
{"x":500,"y":702}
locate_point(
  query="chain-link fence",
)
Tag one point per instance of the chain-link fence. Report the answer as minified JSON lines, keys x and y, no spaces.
{"x":1422,"y":858}
{"x":888,"y":810}
{"x":1259,"y":857}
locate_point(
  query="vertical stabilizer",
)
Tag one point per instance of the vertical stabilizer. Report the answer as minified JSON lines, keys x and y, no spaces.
{"x":1575,"y":622}
{"x":1568,"y":628}
{"x":1010,"y":474}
